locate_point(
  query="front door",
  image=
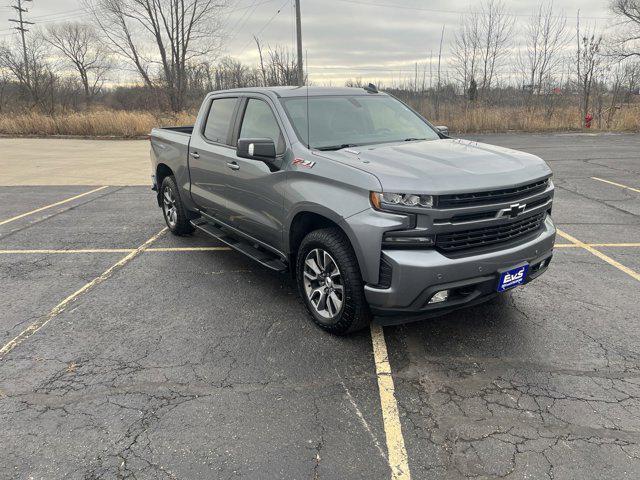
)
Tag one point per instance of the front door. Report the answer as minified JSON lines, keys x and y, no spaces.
{"x":210,"y":151}
{"x":255,"y":197}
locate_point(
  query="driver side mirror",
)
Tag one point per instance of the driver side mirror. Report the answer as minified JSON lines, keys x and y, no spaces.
{"x":262,"y":149}
{"x":443,"y":129}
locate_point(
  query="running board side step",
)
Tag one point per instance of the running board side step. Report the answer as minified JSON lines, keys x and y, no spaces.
{"x":260,"y":255}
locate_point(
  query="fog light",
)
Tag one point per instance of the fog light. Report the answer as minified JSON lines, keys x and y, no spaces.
{"x":440,"y":296}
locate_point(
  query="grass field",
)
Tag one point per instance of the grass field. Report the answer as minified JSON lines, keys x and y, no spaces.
{"x":132,"y":124}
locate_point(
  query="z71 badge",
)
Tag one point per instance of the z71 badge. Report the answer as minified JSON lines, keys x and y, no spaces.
{"x":299,"y":162}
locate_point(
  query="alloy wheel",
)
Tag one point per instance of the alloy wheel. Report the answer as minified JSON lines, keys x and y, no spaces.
{"x":323,"y":284}
{"x":169,"y":207}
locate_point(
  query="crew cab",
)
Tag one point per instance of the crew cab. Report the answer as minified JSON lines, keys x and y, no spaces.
{"x":376,"y":213}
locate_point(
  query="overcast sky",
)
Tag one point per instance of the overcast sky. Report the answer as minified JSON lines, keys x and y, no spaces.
{"x":374,"y":39}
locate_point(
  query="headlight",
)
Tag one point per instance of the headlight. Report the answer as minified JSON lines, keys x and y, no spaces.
{"x":379,"y":200}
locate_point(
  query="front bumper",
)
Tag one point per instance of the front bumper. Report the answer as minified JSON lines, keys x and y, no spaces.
{"x":418,"y":274}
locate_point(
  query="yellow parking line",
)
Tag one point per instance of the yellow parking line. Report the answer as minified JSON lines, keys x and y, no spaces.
{"x":614,"y":244}
{"x":190,"y":249}
{"x":616,"y":184}
{"x":84,"y":250}
{"x":600,"y":255}
{"x":396,"y":451}
{"x":38,"y":324}
{"x":116,"y":250}
{"x":17,"y":217}
{"x":620,"y":245}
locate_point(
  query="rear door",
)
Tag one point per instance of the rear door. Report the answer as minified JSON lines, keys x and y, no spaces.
{"x":210,"y":152}
{"x":255,"y":190}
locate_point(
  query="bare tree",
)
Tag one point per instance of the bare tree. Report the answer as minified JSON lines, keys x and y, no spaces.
{"x":263,"y":70}
{"x":81,"y":47}
{"x":466,"y":48}
{"x":589,"y":58}
{"x":36,"y":83}
{"x":482,"y":44}
{"x":626,"y":43}
{"x":546,"y":37}
{"x":496,"y":28}
{"x":180,"y":31}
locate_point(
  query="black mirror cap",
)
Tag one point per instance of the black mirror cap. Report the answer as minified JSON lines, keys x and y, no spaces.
{"x":256,"y":149}
{"x":443,"y":129}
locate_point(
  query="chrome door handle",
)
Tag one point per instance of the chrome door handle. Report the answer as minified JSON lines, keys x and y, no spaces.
{"x":233,"y":165}
{"x":194,"y":154}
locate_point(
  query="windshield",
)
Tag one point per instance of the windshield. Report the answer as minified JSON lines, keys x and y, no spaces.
{"x":343,"y":121}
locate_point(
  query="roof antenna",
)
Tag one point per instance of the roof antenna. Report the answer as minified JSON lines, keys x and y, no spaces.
{"x":306,"y":81}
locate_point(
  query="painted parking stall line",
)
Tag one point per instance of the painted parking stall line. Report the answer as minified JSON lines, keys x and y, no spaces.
{"x":46,"y":207}
{"x":600,"y":255}
{"x":616,"y":184}
{"x":396,"y":450}
{"x":112,"y":250}
{"x":40,"y":323}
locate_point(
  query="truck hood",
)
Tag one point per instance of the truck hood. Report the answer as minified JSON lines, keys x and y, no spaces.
{"x":443,"y":166}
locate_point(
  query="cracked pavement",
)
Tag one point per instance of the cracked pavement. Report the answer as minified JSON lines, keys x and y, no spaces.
{"x":203,"y":364}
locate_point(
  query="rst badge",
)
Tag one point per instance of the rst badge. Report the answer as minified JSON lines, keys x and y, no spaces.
{"x":512,"y":278}
{"x":299,"y":162}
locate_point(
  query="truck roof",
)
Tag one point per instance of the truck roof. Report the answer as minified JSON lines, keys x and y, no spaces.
{"x":290,"y":91}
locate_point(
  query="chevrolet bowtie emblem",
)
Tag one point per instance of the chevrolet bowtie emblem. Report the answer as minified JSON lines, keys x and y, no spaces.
{"x":513,"y":211}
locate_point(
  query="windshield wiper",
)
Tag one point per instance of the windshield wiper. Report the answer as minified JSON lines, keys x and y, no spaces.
{"x":337,"y":147}
{"x":412,"y":139}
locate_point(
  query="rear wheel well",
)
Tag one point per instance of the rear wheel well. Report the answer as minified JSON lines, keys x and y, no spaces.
{"x":162,"y":172}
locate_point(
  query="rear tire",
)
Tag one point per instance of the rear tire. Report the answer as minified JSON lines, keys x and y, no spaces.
{"x":330,"y":283}
{"x":175,"y":215}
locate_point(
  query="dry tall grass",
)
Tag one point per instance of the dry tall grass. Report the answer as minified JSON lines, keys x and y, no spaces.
{"x":100,"y":123}
{"x":121,"y":124}
{"x":504,"y":119}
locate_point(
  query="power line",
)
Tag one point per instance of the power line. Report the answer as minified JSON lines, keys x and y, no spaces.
{"x":264,"y":26}
{"x":433,"y":10}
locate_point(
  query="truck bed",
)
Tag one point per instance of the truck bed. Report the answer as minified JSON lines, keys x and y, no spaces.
{"x":170,"y":146}
{"x":188,"y":129}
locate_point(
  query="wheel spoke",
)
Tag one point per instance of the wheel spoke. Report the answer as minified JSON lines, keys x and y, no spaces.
{"x":335,"y":301}
{"x":313,"y":265}
{"x":319,"y":261}
{"x":327,"y":262}
{"x":310,"y":275}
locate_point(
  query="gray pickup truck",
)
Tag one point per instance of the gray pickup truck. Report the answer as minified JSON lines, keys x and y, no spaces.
{"x":375,"y":212}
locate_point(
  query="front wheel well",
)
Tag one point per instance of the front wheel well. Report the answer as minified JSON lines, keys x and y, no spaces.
{"x":303,"y":224}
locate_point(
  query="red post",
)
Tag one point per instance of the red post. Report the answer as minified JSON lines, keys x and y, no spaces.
{"x":587,"y":120}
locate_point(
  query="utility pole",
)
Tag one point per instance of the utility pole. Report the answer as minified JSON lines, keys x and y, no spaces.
{"x":21,"y":28}
{"x":299,"y":44}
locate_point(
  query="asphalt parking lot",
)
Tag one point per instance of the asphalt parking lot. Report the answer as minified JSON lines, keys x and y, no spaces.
{"x":129,"y":353}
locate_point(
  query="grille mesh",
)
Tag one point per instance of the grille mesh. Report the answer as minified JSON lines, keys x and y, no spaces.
{"x":494,"y":196}
{"x":480,"y":237}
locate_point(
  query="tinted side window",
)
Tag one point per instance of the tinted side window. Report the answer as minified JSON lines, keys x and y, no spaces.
{"x":219,"y":119}
{"x":259,"y":122}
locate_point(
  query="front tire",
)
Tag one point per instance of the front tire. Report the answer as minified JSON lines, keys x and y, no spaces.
{"x":175,"y":214}
{"x":330,"y":283}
